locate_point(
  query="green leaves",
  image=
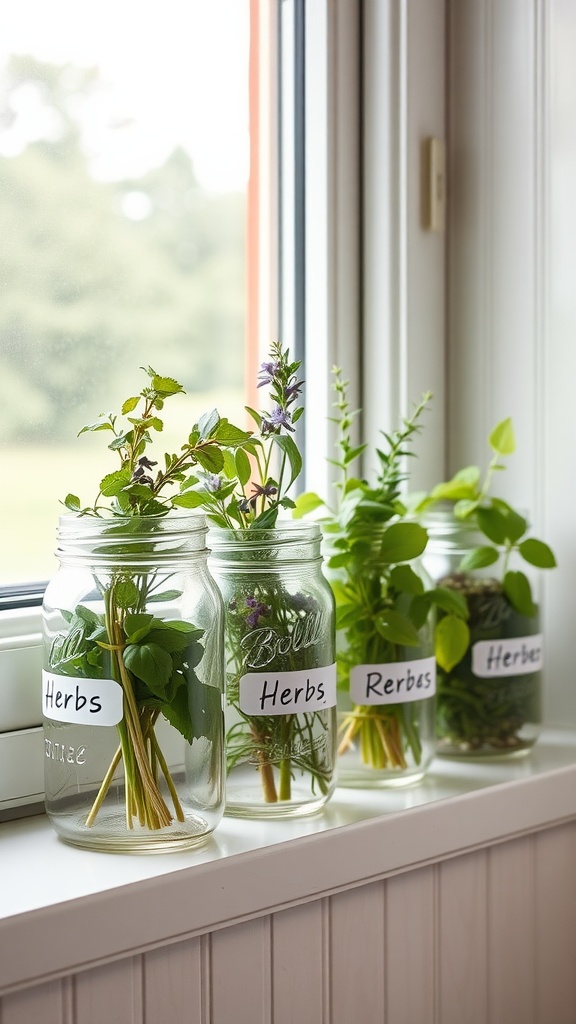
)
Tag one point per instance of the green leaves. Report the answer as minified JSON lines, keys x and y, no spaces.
{"x":451,"y":639}
{"x":126,"y":594}
{"x":392,"y":625}
{"x":479,"y":558}
{"x":501,"y":439}
{"x":151,"y":663}
{"x":402,"y":542}
{"x":113,"y":483}
{"x":504,"y":527}
{"x":518,"y":591}
{"x":290,"y":450}
{"x":537,"y":553}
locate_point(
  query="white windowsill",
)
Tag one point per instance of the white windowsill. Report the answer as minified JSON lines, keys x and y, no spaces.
{"x":103,"y":906}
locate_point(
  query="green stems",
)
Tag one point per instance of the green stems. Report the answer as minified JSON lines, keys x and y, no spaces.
{"x":139,"y":749}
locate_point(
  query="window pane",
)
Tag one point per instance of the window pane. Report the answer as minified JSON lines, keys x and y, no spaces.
{"x":124,"y":154}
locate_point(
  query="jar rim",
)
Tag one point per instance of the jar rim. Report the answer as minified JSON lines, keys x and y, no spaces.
{"x":287,"y":531}
{"x":131,"y":539}
{"x":442,"y":515}
{"x":194,"y":521}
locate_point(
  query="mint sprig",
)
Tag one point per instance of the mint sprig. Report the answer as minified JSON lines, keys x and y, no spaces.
{"x":504,"y":528}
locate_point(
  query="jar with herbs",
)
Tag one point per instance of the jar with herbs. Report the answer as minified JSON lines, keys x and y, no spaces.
{"x":281,"y":672}
{"x":489,"y":700}
{"x":133,"y":685}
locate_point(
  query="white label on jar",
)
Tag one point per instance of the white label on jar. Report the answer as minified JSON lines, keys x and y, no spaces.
{"x":396,"y":683}
{"x":288,"y":693}
{"x":512,"y":657}
{"x":81,"y":701}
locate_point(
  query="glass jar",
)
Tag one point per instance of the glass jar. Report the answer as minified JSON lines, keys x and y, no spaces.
{"x":281,"y":671}
{"x":133,"y":685}
{"x":386,"y":689}
{"x":489,"y":704}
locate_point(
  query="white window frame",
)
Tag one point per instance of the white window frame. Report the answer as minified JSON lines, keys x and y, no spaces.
{"x":366,"y":104}
{"x":323,"y":305}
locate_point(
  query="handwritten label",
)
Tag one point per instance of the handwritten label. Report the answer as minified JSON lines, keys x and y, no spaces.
{"x":512,"y":657}
{"x":396,"y":683}
{"x":288,"y":693}
{"x":81,"y":701}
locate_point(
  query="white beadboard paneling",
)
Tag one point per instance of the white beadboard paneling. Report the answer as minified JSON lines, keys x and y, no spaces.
{"x":555,"y":897}
{"x":297,"y":965}
{"x":361,"y":837}
{"x":462,"y":940}
{"x":44,"y":1004}
{"x":410,"y":950}
{"x":173,"y":990}
{"x":110,"y":994}
{"x":240,"y":967}
{"x":357,"y":963}
{"x":512,"y":933}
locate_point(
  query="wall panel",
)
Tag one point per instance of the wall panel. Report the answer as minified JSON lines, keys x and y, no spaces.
{"x":512,"y":933}
{"x":298,"y":962}
{"x":44,"y":1004}
{"x":410,"y":930}
{"x":173,"y":980}
{"x":240,"y":968}
{"x":109,"y":995}
{"x":488,"y":937}
{"x":555,"y":904}
{"x":462,"y":940}
{"x":357,"y":959}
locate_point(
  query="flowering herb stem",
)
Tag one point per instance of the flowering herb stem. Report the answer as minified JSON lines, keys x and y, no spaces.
{"x":153,"y":660}
{"x":380,"y":613}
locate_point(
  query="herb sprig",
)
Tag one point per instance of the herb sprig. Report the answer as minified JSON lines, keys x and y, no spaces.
{"x":381,"y":603}
{"x":504,"y":528}
{"x":249,"y":489}
{"x":474,"y":714}
{"x":135,"y":488}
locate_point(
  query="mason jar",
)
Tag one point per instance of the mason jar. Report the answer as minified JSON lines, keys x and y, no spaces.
{"x":386,"y":686}
{"x":132,"y":688}
{"x":281,"y":671}
{"x":489,"y":704}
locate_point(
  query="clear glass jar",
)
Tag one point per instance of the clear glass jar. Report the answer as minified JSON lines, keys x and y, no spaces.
{"x":489,"y":704}
{"x":281,"y":671}
{"x":133,"y":685}
{"x":386,"y":690}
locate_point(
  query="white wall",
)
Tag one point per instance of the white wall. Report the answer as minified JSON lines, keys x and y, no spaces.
{"x":511,"y":294}
{"x":404,"y":264}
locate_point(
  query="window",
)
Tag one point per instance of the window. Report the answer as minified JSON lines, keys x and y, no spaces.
{"x":137,"y":199}
{"x":124,"y":161}
{"x":299,"y":56}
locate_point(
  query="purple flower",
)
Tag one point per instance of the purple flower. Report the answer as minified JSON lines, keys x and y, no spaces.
{"x":268,"y":491}
{"x":258,"y":611}
{"x":277,"y":419}
{"x":212,"y":482}
{"x":267,"y":373}
{"x":258,"y":491}
{"x":139,"y":476}
{"x":291,"y":391}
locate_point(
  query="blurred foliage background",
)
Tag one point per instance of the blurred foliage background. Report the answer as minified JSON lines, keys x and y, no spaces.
{"x":97,"y":279}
